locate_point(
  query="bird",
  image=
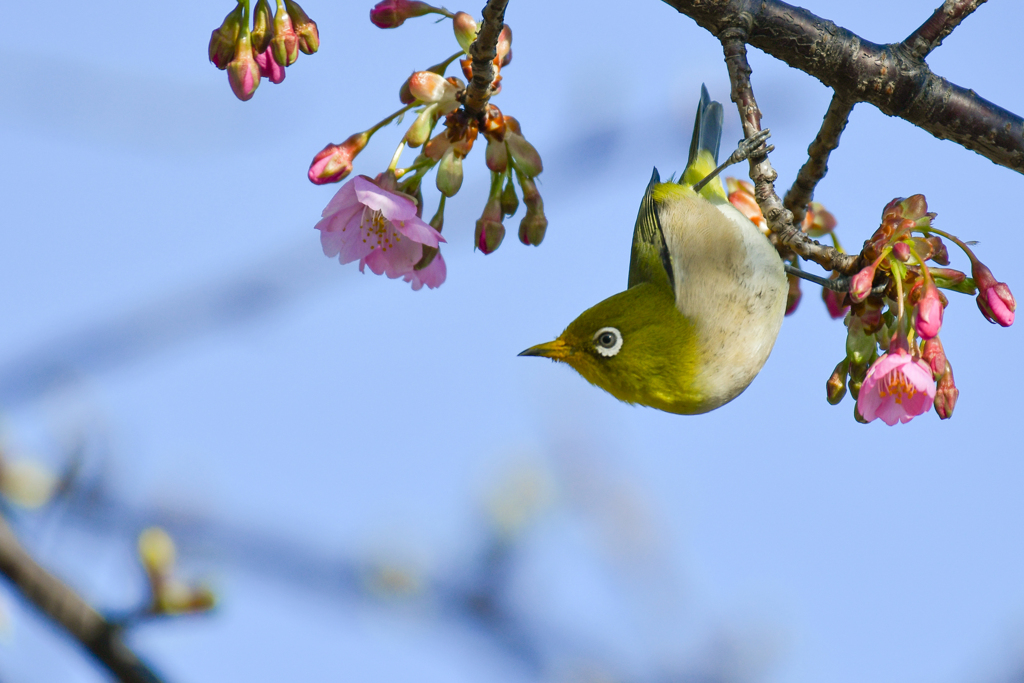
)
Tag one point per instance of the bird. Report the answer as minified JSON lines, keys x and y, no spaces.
{"x":705,"y":297}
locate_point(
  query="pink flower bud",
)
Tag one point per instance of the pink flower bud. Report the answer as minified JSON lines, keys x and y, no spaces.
{"x":428,"y":87}
{"x":901,"y":250}
{"x":465,"y":30}
{"x":534,"y":225}
{"x":449,"y":173}
{"x":489,"y":230}
{"x":860,"y":284}
{"x":285,"y":44}
{"x":305,"y":28}
{"x":934,"y":355}
{"x":223,"y":39}
{"x":262,"y":27}
{"x":994,"y":298}
{"x":928,"y":317}
{"x":835,"y":303}
{"x":270,"y":69}
{"x":794,"y":295}
{"x":243,"y":71}
{"x":393,"y":13}
{"x":334,"y":162}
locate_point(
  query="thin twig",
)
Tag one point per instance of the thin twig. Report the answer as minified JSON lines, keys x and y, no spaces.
{"x":780,"y":219}
{"x":56,"y":600}
{"x":483,"y":51}
{"x":930,"y":34}
{"x":816,"y":166}
{"x":888,"y":76}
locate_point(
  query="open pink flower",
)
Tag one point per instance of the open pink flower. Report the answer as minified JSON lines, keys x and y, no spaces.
{"x":432,"y":276}
{"x":377,"y":227}
{"x":897,"y":389}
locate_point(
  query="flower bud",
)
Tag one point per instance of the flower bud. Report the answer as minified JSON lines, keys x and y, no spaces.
{"x":901,"y":250}
{"x":817,"y":222}
{"x":449,"y":173}
{"x":270,"y":69}
{"x":305,"y":28}
{"x":860,"y":284}
{"x":939,"y":252}
{"x":223,"y":39}
{"x":393,"y":13}
{"x":746,"y":204}
{"x":946,"y":394}
{"x":914,"y":207}
{"x":860,"y":346}
{"x":334,"y":162}
{"x":438,"y":145}
{"x":509,"y":199}
{"x":496,"y":156}
{"x":419,"y":131}
{"x":928,"y":313}
{"x":995,"y":300}
{"x":285,"y":44}
{"x":504,"y":46}
{"x":489,"y":230}
{"x":525,"y":158}
{"x":534,"y":225}
{"x":156,"y":551}
{"x":794,"y":295}
{"x":428,"y":87}
{"x":934,"y":355}
{"x":243,"y":71}
{"x":835,"y":387}
{"x":835,"y":303}
{"x":465,"y":30}
{"x":494,"y":124}
{"x":262,"y":27}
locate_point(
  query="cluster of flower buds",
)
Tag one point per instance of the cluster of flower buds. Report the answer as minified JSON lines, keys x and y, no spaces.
{"x":896,"y":307}
{"x":170,"y":595}
{"x":434,"y":98}
{"x":817,"y":222}
{"x":264,"y":50}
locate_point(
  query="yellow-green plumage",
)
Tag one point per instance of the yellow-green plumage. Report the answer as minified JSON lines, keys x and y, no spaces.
{"x":705,"y":299}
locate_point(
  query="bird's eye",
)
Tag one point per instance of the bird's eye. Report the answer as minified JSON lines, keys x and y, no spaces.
{"x":607,"y":341}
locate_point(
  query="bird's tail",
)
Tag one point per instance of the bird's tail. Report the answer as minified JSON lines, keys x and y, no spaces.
{"x":707,"y":136}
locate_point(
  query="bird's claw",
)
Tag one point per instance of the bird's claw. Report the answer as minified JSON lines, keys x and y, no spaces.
{"x":753,"y":146}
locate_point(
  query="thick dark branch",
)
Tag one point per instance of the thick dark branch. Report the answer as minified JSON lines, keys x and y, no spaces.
{"x":942,"y":22}
{"x":483,"y":51}
{"x":816,"y":166}
{"x":887,"y":76}
{"x":54,"y":599}
{"x":780,"y":219}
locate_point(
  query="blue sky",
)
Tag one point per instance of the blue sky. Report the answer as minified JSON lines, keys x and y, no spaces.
{"x":165,"y":299}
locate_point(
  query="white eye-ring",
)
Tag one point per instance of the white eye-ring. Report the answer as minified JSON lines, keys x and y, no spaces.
{"x":608,"y":341}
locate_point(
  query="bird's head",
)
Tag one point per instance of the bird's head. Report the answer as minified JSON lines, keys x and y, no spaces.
{"x":635,"y":345}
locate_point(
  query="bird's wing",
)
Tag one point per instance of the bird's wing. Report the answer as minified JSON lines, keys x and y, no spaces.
{"x":649,"y":259}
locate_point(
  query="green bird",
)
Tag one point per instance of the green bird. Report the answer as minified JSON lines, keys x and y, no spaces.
{"x":704,"y":302}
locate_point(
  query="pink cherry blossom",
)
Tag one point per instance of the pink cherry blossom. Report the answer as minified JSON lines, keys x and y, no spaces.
{"x":380,"y":229}
{"x":432,"y":276}
{"x":897,"y":389}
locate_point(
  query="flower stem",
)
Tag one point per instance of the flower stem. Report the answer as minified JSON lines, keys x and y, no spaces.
{"x":899,"y":299}
{"x":952,"y":238}
{"x":398,"y":153}
{"x":373,"y":129}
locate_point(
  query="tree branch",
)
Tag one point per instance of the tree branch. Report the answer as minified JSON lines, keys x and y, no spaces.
{"x":780,"y":219}
{"x":483,"y":51}
{"x":57,"y":601}
{"x":890,"y":77}
{"x":929,"y":35}
{"x":816,"y":166}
